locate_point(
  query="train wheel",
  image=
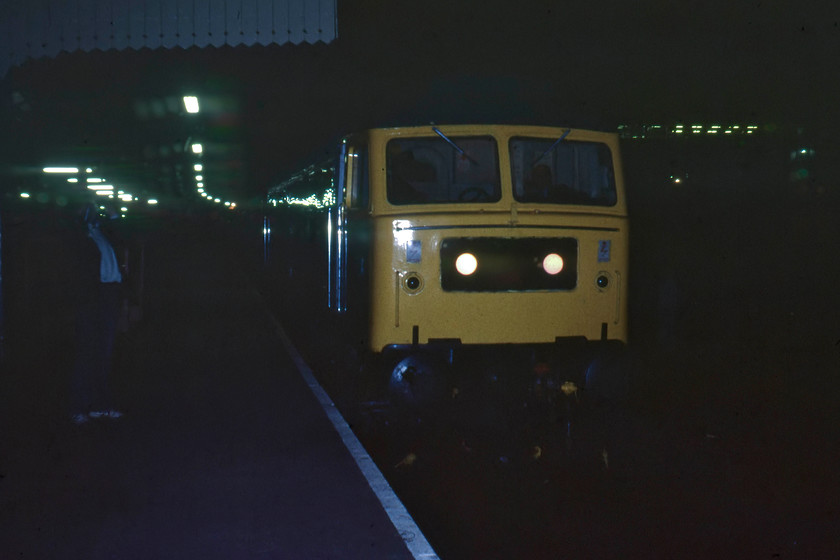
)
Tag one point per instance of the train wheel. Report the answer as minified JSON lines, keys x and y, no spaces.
{"x":418,"y":381}
{"x":607,"y":375}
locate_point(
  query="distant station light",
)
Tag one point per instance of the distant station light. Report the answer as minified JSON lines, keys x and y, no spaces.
{"x":191,"y":103}
{"x":61,"y":170}
{"x":98,"y":187}
{"x":24,"y":195}
{"x":198,"y":167}
{"x":152,"y":201}
{"x":197,"y":148}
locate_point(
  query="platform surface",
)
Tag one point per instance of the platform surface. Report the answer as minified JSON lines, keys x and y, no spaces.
{"x":223,"y":451}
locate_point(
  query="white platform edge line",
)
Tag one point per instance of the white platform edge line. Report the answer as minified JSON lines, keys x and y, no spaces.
{"x":410,"y":533}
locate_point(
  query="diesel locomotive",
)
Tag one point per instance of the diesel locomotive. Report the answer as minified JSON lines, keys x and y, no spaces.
{"x":428,"y":244}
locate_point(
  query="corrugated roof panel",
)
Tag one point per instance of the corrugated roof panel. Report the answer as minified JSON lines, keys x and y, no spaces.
{"x":185,"y":21}
{"x":35,"y":34}
{"x":218,"y":19}
{"x":68,"y":17}
{"x":52,"y":42}
{"x":233,"y":20}
{"x":328,"y":24}
{"x":103,"y":26}
{"x":15,"y":33}
{"x":249,"y":27}
{"x":296,"y":23}
{"x":153,"y":30}
{"x":84,"y":31}
{"x":169,"y":24}
{"x":33,"y":29}
{"x":136,"y":25}
{"x":121,"y":28}
{"x":280,"y":31}
{"x":265,"y":22}
{"x":201,"y":25}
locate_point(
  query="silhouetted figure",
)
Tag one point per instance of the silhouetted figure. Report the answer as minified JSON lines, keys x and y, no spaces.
{"x":404,"y":172}
{"x":540,"y":185}
{"x":97,"y":294}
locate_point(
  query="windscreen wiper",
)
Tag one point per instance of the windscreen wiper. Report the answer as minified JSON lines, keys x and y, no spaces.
{"x":454,"y":145}
{"x":542,"y":155}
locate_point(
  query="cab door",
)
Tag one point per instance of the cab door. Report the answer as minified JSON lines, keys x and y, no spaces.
{"x":348,"y":238}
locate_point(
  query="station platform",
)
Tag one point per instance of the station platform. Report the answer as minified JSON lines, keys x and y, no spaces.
{"x":228,"y":447}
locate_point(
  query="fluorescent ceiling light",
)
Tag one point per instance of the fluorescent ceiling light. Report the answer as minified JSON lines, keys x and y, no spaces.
{"x":191,"y":103}
{"x":196,"y":148}
{"x":198,"y":167}
{"x":61,"y":170}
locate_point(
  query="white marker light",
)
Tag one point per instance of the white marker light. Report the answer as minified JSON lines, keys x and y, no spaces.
{"x":466,"y":263}
{"x":61,"y":170}
{"x":191,"y":103}
{"x":553,"y":263}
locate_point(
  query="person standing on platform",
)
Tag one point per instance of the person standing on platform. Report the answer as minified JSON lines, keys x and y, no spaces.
{"x":97,"y":294}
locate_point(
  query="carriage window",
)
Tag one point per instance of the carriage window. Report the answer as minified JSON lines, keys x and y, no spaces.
{"x":357,"y":177}
{"x":565,"y":172}
{"x":433,"y":171}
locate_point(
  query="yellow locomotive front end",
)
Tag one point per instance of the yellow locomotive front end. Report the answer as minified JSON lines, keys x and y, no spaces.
{"x":495,"y":235}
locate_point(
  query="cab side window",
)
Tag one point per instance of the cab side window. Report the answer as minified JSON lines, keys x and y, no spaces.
{"x":357,"y":178}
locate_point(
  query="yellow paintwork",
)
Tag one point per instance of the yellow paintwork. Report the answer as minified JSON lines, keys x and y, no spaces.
{"x":498,"y":317}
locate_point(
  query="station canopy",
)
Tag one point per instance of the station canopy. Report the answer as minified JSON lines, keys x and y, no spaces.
{"x":33,"y":29}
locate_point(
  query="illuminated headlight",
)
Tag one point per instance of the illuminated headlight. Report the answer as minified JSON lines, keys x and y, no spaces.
{"x":466,"y":263}
{"x":553,"y":263}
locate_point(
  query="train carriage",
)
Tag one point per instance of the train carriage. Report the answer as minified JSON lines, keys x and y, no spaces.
{"x":441,"y":239}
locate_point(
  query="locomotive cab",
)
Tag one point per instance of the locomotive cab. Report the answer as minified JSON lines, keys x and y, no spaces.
{"x":454,"y":239}
{"x":449,"y":244}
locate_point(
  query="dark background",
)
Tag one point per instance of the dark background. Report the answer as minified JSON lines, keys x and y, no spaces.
{"x":266,"y":110}
{"x":734,"y":320}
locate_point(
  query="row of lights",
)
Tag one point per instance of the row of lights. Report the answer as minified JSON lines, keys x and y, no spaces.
{"x":643,"y":131}
{"x":191,"y":106}
{"x":98,"y":185}
{"x":326,"y":199}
